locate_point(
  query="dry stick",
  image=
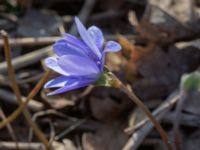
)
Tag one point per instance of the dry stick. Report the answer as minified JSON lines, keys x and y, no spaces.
{"x":176,"y":131}
{"x":185,"y":120}
{"x":71,"y":128}
{"x":52,"y":132}
{"x":10,"y":129}
{"x":118,"y":84}
{"x":17,"y":112}
{"x":10,"y":97}
{"x":16,"y":90}
{"x":139,"y":135}
{"x":30,"y":41}
{"x":40,"y":114}
{"x":162,"y":108}
{"x":27,"y":59}
{"x":22,"y":146}
{"x":83,"y":14}
{"x":142,"y":106}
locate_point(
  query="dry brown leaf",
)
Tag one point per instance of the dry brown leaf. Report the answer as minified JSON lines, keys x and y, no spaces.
{"x":108,"y":137}
{"x":107,"y":104}
{"x":105,"y":109}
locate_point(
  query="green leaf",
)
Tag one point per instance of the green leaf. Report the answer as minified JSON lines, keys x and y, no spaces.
{"x":191,"y":82}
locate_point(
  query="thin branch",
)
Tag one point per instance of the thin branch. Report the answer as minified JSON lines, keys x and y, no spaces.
{"x":10,"y":129}
{"x":176,"y":131}
{"x":31,"y":41}
{"x":115,"y":82}
{"x":16,"y":90}
{"x":138,"y":136}
{"x":10,"y":97}
{"x":142,"y":106}
{"x":17,"y":112}
{"x":22,"y":146}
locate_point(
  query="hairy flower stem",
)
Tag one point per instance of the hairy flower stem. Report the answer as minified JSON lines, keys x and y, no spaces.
{"x":141,"y":105}
{"x":16,"y":90}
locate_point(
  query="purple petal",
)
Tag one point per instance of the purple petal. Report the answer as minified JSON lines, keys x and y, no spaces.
{"x":87,"y":38}
{"x":72,"y":39}
{"x":112,"y":46}
{"x":97,"y":36}
{"x":72,"y":84}
{"x":60,"y":81}
{"x":75,"y":42}
{"x":62,"y":47}
{"x":78,"y":66}
{"x":52,"y":63}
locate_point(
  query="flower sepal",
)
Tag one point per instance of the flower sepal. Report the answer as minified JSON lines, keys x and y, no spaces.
{"x":107,"y":79}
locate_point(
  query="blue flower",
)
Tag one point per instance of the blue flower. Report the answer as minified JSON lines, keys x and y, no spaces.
{"x":79,"y":62}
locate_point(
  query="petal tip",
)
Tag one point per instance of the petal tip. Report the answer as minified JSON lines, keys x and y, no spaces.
{"x":77,"y":20}
{"x":112,"y":46}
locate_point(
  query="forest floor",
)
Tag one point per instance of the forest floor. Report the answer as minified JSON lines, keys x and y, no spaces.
{"x":160,"y":43}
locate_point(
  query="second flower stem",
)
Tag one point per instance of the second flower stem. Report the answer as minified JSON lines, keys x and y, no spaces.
{"x":142,"y":106}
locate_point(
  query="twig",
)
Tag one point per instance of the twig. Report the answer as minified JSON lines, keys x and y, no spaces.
{"x":83,"y":14}
{"x":30,"y":41}
{"x":141,"y":105}
{"x":9,"y":97}
{"x":78,"y":142}
{"x":185,"y":120}
{"x":35,"y":90}
{"x":43,"y":113}
{"x":27,"y":59}
{"x":157,"y":112}
{"x":176,"y":131}
{"x":22,"y":146}
{"x":63,"y":133}
{"x":107,"y":15}
{"x":87,"y":126}
{"x":16,"y":90}
{"x":30,"y":79}
{"x":115,"y":82}
{"x":52,"y":132}
{"x":10,"y":129}
{"x":139,"y":135}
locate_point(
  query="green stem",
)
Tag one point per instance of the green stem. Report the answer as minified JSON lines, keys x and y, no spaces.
{"x":141,"y":105}
{"x":16,"y":90}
